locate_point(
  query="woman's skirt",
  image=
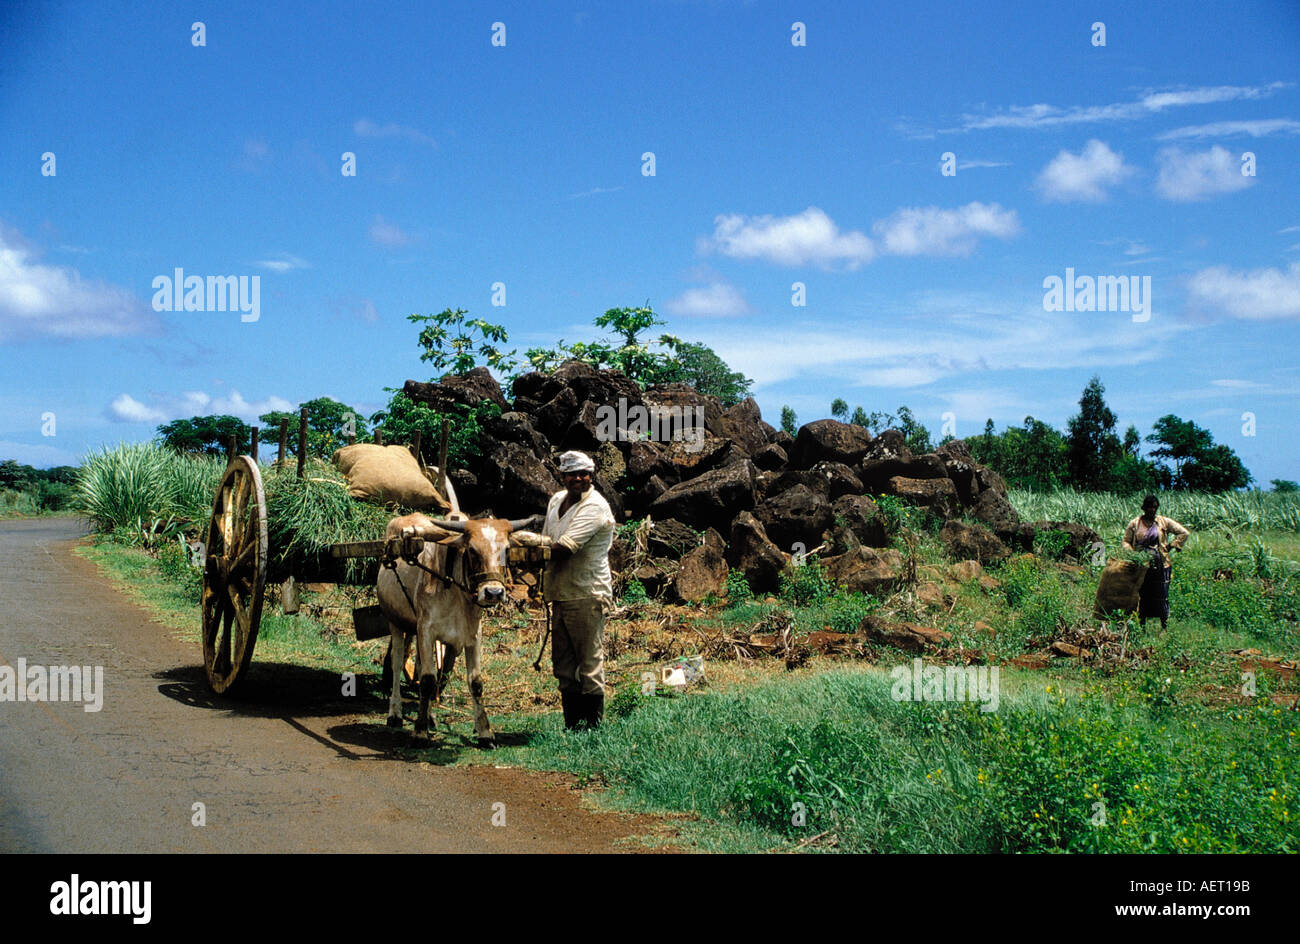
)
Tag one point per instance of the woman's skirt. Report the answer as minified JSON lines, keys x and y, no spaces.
{"x":1154,"y":596}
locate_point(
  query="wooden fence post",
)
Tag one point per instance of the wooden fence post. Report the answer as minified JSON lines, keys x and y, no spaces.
{"x":252,"y":446}
{"x":302,"y":442}
{"x":284,"y":441}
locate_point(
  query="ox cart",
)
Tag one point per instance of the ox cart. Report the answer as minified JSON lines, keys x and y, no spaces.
{"x":235,"y":571}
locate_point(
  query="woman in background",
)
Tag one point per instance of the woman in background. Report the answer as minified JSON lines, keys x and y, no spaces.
{"x":1149,"y":532}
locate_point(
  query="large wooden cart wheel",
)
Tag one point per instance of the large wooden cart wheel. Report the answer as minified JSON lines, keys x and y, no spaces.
{"x":234,"y":574}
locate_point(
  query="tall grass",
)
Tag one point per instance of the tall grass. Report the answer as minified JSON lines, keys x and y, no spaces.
{"x":143,"y":490}
{"x":1108,"y":512}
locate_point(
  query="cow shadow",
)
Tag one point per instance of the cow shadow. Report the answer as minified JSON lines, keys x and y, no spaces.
{"x":445,"y":747}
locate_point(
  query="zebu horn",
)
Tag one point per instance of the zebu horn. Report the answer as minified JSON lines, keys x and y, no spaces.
{"x":447,"y":525}
{"x":525,"y":524}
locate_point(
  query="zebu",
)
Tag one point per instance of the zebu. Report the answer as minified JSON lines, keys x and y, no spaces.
{"x":441,"y":598}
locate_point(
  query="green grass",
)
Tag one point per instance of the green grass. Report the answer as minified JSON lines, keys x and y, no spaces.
{"x":887,"y":776}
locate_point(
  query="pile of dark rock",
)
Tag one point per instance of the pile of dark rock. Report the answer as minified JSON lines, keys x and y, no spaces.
{"x":758,"y":495}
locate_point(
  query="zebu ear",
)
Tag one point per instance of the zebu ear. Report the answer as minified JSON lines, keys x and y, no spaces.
{"x":454,"y":540}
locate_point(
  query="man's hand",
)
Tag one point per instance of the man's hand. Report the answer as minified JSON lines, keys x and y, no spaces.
{"x":560,"y":552}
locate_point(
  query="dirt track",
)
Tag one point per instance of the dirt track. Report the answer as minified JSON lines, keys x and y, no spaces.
{"x":290,"y":767}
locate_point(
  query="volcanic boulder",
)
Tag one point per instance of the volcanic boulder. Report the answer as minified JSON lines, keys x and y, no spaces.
{"x":972,"y":542}
{"x":743,"y":424}
{"x":862,"y":516}
{"x":702,"y":571}
{"x":828,"y":440}
{"x":866,"y":570}
{"x":710,"y":500}
{"x":937,"y":494}
{"x":796,"y":515}
{"x":753,"y":553}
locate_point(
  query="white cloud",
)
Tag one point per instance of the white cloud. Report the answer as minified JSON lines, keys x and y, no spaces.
{"x":366,"y":128}
{"x":717,"y":300}
{"x":1151,"y":103}
{"x":1258,"y":295}
{"x":1195,"y":175}
{"x":164,"y":407}
{"x":389,"y":234}
{"x":915,"y":231}
{"x":1084,"y":176}
{"x":810,"y":237}
{"x":1223,"y":129}
{"x":54,"y":301}
{"x":286,"y":263}
{"x":130,"y":410}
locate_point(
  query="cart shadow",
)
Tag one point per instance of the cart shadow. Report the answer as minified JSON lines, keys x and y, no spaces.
{"x":291,"y":692}
{"x":276,"y":690}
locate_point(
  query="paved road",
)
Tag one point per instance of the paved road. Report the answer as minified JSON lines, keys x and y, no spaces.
{"x":290,"y":767}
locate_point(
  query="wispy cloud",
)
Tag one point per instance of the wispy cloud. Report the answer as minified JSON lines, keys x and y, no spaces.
{"x":389,"y":235}
{"x":966,"y":340}
{"x":1149,"y":104}
{"x":1257,"y":295}
{"x":810,"y":237}
{"x":162,"y":408}
{"x":1083,"y":177}
{"x":1224,"y":129}
{"x":1194,"y":175}
{"x":932,"y":231}
{"x":55,"y":301}
{"x":593,"y":192}
{"x":972,"y":165}
{"x":365,"y":128}
{"x":717,"y":300}
{"x":285,"y":263}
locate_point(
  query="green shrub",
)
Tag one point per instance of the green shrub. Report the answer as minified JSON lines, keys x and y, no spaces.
{"x":805,"y":585}
{"x":634,"y":592}
{"x":173,"y":561}
{"x":738,"y":589}
{"x":1051,"y":544}
{"x":844,"y":611}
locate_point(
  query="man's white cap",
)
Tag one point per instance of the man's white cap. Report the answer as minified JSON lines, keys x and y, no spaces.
{"x":574,"y":461}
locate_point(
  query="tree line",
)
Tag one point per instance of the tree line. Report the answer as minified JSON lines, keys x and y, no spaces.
{"x":1089,"y":456}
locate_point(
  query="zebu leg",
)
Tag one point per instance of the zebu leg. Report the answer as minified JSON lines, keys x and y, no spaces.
{"x":424,"y":656}
{"x":445,"y":673}
{"x":396,"y":656}
{"x":482,"y":729}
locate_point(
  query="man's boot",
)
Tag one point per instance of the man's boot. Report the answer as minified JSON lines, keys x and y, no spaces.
{"x":593,"y":710}
{"x":573,"y":709}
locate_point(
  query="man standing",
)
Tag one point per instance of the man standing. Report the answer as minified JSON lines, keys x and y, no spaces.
{"x":579,"y":590}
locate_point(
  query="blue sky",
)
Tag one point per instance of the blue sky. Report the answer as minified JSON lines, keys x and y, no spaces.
{"x":774,"y":164}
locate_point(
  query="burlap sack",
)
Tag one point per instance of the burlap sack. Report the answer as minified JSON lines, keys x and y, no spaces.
{"x":387,"y":474}
{"x":1119,"y":588}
